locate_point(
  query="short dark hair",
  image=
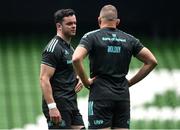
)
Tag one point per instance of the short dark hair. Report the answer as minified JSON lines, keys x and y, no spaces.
{"x":109,"y":12}
{"x":60,"y":14}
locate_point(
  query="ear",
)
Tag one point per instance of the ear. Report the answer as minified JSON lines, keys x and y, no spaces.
{"x":99,"y":21}
{"x":58,"y":26}
{"x":117,"y":22}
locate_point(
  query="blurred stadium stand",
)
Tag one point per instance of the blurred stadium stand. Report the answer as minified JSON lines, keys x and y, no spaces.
{"x":153,"y":18}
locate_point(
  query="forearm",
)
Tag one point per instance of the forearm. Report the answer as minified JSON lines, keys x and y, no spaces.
{"x":141,"y":74}
{"x":47,"y":91}
{"x":78,"y":66}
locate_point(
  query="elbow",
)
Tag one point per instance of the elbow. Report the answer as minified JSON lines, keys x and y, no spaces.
{"x":42,"y":81}
{"x":75,"y":59}
{"x":154,"y":63}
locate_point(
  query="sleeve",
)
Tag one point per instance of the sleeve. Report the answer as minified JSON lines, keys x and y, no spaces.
{"x":137,"y":46}
{"x":50,"y":58}
{"x":86,"y":42}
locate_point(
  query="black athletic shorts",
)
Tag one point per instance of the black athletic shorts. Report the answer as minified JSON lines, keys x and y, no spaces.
{"x":69,"y":117}
{"x":108,"y":113}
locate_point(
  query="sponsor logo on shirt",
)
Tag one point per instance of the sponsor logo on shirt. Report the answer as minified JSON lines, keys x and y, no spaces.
{"x":113,"y":38}
{"x":69,"y":61}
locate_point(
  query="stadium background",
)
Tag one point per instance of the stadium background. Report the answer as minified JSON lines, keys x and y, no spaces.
{"x":27,"y":26}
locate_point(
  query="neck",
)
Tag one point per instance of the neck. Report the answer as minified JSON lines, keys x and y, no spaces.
{"x":109,"y":24}
{"x":64,"y":37}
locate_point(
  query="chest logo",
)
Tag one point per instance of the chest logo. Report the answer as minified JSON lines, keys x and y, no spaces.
{"x":66,"y":52}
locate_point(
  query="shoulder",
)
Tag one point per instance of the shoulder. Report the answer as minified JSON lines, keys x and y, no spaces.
{"x":91,"y":33}
{"x":129,"y":36}
{"x":53,"y":45}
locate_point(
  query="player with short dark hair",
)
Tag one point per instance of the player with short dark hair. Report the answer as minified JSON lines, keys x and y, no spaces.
{"x":60,"y":14}
{"x":110,"y":51}
{"x":58,"y":79}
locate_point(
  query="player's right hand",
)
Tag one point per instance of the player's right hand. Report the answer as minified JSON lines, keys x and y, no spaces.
{"x":55,"y":115}
{"x":91,"y":80}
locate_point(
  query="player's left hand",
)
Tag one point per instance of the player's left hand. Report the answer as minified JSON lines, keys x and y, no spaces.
{"x":78,"y":86}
